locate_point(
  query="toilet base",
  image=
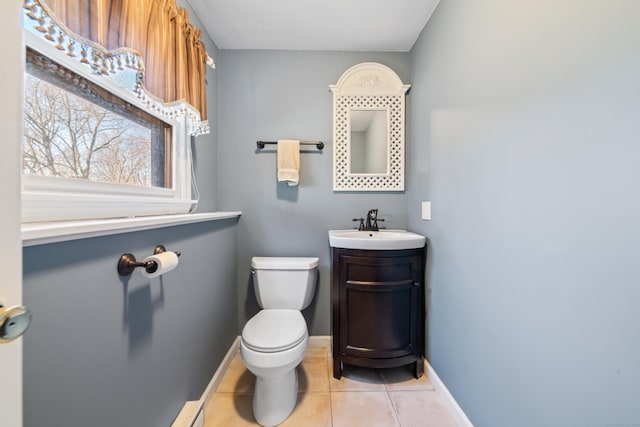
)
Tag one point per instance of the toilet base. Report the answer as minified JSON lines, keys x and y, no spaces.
{"x":274,"y":398}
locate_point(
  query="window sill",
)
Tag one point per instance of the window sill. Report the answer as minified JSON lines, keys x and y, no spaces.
{"x":52,"y":232}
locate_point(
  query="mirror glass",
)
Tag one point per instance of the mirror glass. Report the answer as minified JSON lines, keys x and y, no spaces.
{"x":369,"y":142}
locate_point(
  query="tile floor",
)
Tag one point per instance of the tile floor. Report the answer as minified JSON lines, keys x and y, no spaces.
{"x":363,"y":397}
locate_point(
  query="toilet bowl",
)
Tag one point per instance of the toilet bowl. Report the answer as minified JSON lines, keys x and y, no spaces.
{"x":276,"y":387}
{"x":274,"y":340}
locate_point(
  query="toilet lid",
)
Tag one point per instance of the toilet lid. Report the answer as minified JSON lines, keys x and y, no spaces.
{"x":270,"y":331}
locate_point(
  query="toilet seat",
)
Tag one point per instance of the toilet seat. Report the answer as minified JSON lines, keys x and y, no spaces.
{"x":271,"y":331}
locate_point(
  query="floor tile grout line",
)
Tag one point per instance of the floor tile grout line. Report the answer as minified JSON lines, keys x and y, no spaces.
{"x":393,"y":407}
{"x":329,"y":375}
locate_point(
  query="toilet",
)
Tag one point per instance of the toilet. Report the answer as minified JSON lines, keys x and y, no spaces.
{"x":274,"y":340}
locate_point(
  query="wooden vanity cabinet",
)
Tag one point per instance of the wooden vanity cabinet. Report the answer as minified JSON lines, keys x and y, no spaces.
{"x":378,"y":308}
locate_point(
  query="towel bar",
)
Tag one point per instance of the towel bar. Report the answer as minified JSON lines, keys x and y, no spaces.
{"x":319,"y":145}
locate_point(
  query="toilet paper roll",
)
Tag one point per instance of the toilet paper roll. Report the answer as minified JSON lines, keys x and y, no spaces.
{"x":166,"y":261}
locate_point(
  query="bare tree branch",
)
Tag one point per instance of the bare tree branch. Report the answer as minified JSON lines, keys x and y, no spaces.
{"x":68,"y":136}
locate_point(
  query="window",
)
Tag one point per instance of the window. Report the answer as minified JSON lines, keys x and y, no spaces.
{"x":73,"y":129}
{"x":93,"y":149}
{"x":104,"y":136}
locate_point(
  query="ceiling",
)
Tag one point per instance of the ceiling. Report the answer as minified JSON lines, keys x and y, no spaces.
{"x":346,"y":25}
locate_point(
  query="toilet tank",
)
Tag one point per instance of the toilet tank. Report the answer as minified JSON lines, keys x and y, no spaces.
{"x":286,"y":283}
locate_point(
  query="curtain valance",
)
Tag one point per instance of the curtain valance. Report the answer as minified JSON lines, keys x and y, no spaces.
{"x":170,"y":46}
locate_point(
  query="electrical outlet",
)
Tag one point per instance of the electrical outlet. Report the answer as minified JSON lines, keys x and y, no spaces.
{"x":426,"y":211}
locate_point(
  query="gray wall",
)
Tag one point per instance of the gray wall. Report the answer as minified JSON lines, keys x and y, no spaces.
{"x":524,"y":135}
{"x":270,"y":95}
{"x":103,"y":351}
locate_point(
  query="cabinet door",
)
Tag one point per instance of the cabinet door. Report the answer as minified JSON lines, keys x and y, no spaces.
{"x":380,"y":300}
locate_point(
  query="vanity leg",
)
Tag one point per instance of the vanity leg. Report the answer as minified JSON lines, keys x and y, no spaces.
{"x":337,"y":369}
{"x":418,"y":368}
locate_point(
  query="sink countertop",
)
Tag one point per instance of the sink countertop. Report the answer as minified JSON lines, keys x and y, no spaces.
{"x":376,"y":240}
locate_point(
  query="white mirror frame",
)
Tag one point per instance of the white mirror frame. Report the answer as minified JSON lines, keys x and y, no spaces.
{"x":368,"y":86}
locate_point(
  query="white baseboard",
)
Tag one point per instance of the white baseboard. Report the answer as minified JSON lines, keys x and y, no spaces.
{"x":188,"y":415}
{"x":319,"y":340}
{"x":217,"y":377}
{"x":192,"y":410}
{"x":455,"y":410}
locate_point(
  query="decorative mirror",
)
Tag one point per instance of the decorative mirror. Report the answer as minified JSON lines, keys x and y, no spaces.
{"x":368,"y":129}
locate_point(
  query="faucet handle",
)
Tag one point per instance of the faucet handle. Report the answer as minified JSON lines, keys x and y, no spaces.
{"x":361,"y":226}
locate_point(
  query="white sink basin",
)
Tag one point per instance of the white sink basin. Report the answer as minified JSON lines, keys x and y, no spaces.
{"x":375,"y":240}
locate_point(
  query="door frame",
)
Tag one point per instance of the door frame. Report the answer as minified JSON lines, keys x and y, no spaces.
{"x":11,"y":72}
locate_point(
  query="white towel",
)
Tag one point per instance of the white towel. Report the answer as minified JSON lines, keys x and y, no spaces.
{"x":289,"y":161}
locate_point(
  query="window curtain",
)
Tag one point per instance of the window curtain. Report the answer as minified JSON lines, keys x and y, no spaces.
{"x":159,"y":30}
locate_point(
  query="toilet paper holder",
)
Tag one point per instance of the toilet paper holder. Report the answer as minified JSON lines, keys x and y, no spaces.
{"x":128,"y":263}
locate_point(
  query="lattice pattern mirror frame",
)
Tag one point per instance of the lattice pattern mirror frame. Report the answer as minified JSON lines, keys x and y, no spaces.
{"x":368,"y":86}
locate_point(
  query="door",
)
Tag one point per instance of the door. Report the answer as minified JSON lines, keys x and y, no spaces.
{"x":11,"y":64}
